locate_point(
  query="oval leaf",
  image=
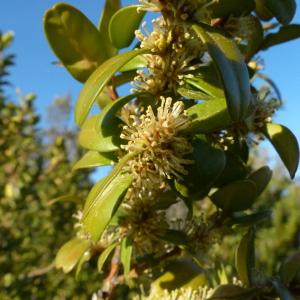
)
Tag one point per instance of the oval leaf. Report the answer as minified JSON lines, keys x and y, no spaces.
{"x":74,"y":39}
{"x":236,"y":196}
{"x":123,"y":25}
{"x":209,"y":116}
{"x":70,"y":253}
{"x":261,"y":178}
{"x":245,"y":258}
{"x":285,"y":144}
{"x":98,"y":80}
{"x":94,"y":159}
{"x":283,"y":10}
{"x":232,"y":69}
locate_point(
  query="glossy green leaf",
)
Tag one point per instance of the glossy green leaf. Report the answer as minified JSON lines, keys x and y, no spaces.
{"x":70,"y":253}
{"x":179,"y":274}
{"x":245,"y":258}
{"x":236,"y":196}
{"x":209,"y":116}
{"x":231,"y":67}
{"x":209,"y":162}
{"x":126,"y":253}
{"x":290,"y":268}
{"x":104,"y":199}
{"x":93,"y":138}
{"x":285,"y":144}
{"x":227,"y":8}
{"x":232,"y":292}
{"x":137,"y":62}
{"x":74,"y":39}
{"x":283,"y":10}
{"x":207,"y":81}
{"x":123,"y":25}
{"x":285,"y":34}
{"x":104,"y":256}
{"x":94,"y":159}
{"x":190,"y":93}
{"x":110,"y":8}
{"x":261,"y":178}
{"x":98,"y":80}
{"x":282,"y":291}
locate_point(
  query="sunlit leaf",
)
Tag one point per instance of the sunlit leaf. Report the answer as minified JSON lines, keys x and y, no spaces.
{"x":231,"y":67}
{"x":285,"y":144}
{"x":123,"y":25}
{"x":245,"y":258}
{"x":74,"y":39}
{"x":98,"y":80}
{"x":126,"y":253}
{"x":70,"y":253}
{"x":104,"y":256}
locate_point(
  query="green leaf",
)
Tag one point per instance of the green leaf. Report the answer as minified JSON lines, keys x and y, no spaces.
{"x":285,"y":144}
{"x":209,"y":162}
{"x":233,"y":292}
{"x":70,"y":253}
{"x":98,"y":80}
{"x":282,"y":291}
{"x":229,"y":8}
{"x":93,"y":138}
{"x":207,"y":81}
{"x":283,"y":10}
{"x":74,"y":39}
{"x":245,"y":258}
{"x":126,"y":253}
{"x":290,"y":268}
{"x":104,"y":199}
{"x":236,"y":196}
{"x":262,"y":11}
{"x":175,"y":237}
{"x":84,"y":258}
{"x":94,"y":159}
{"x":110,"y":7}
{"x":104,"y":256}
{"x":190,"y":93}
{"x":137,"y":62}
{"x":231,"y":67}
{"x":261,"y":178}
{"x":123,"y":25}
{"x":209,"y":116}
{"x":285,"y":34}
{"x":251,"y":219}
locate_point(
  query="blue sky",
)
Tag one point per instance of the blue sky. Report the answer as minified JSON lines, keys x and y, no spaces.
{"x":35,"y":73}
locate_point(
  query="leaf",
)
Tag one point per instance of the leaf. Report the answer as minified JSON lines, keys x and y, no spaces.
{"x":207,"y":81}
{"x":231,"y":67}
{"x":104,"y":256}
{"x":245,"y":258}
{"x":98,"y":80}
{"x":283,"y":10}
{"x":209,"y":116}
{"x":209,"y":162}
{"x":191,"y":93}
{"x":251,"y":219}
{"x":282,"y":291}
{"x":261,"y":178}
{"x":94,"y":159}
{"x":68,"y":198}
{"x":104,"y":199}
{"x":84,"y":258}
{"x":290,"y":268}
{"x":233,"y":292}
{"x":93,"y":138}
{"x":110,"y":7}
{"x":262,"y":11}
{"x":74,"y":39}
{"x":236,"y":196}
{"x":137,"y":62}
{"x":229,"y":8}
{"x":126,"y":252}
{"x":123,"y":25}
{"x":285,"y":34}
{"x":285,"y":144}
{"x":175,"y":237}
{"x":70,"y":253}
